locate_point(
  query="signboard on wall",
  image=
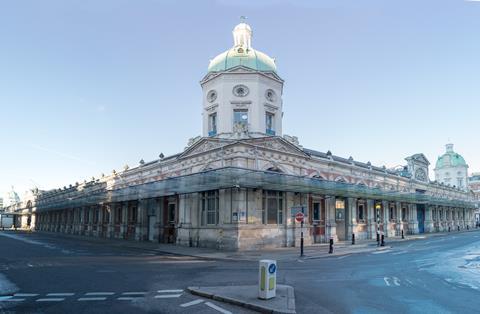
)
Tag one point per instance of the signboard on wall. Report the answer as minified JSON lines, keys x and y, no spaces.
{"x":299,"y":209}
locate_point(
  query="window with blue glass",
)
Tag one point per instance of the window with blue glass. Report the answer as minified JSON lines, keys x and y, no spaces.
{"x":269,"y":123}
{"x":240,"y":118}
{"x":212,"y":124}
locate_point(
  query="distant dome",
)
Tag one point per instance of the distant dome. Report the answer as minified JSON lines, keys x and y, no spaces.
{"x":242,"y":53}
{"x":11,"y":198}
{"x":450,"y":159}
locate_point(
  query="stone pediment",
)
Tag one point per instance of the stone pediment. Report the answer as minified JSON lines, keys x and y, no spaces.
{"x":204,"y":145}
{"x":268,"y":143}
{"x":276,"y":143}
{"x":419,"y":158}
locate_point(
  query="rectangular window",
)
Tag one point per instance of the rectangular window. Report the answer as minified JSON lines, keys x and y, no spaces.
{"x":404,"y":214}
{"x":132,"y":215}
{"x":272,"y":207}
{"x":316,"y":211}
{"x":392,"y":212}
{"x":212,"y":124}
{"x":240,"y":119}
{"x":118,"y":215}
{"x":171,"y":213}
{"x":361,"y":212}
{"x":269,"y":123}
{"x":210,"y":204}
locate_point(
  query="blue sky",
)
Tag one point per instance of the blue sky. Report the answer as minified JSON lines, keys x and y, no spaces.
{"x":88,"y":86}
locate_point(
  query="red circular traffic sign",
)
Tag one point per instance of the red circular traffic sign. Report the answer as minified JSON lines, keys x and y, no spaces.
{"x":299,"y":217}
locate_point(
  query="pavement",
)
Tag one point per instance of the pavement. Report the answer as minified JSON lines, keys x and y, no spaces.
{"x":52,"y":273}
{"x":247,"y":296}
{"x":312,"y":251}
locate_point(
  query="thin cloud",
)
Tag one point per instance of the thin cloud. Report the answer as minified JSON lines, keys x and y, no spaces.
{"x":61,"y":154}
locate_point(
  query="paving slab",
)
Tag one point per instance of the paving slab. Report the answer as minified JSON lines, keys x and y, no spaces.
{"x":247,"y":296}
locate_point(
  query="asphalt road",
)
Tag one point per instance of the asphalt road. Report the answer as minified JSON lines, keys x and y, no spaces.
{"x":51,"y":274}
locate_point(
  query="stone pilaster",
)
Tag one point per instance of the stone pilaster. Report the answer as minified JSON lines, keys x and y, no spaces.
{"x":331,"y":230}
{"x":372,"y":224}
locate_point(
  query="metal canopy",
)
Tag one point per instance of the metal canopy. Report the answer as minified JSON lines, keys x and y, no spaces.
{"x":232,"y":177}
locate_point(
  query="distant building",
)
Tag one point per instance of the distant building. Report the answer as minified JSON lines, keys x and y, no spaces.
{"x":11,"y":198}
{"x":1,"y":202}
{"x":451,"y":169}
{"x":474,"y":183}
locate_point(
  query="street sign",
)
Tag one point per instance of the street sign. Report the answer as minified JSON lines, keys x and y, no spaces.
{"x":299,"y":217}
{"x":299,"y":209}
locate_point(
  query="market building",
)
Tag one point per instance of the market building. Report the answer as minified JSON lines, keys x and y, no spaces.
{"x":238,"y":185}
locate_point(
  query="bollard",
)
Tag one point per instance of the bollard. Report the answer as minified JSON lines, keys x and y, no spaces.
{"x":458,"y":227}
{"x":468,"y":227}
{"x":449,"y":229}
{"x":330,"y":251}
{"x":353,"y":238}
{"x":267,"y":279}
{"x":383,"y":241}
{"x":403,"y":237}
{"x":378,"y":238}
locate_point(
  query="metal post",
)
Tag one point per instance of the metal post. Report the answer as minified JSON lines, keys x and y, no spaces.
{"x":353,"y":238}
{"x":330,"y":251}
{"x":301,"y":239}
{"x":448,"y":228}
{"x":383,"y":240}
{"x":458,"y":228}
{"x":378,"y":238}
{"x":403,"y":237}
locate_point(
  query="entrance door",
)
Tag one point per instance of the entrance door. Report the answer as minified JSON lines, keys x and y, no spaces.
{"x":152,"y":220}
{"x":318,"y":221}
{"x":169,"y":215}
{"x":340,"y":219}
{"x":421,"y":218}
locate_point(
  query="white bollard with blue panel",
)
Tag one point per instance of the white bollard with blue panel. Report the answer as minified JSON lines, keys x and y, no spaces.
{"x":267,"y":279}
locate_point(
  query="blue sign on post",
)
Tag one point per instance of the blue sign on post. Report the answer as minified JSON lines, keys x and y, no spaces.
{"x":272,"y":268}
{"x":299,"y":209}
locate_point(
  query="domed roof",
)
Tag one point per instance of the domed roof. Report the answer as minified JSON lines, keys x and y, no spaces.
{"x":242,"y":54}
{"x":450,"y":159}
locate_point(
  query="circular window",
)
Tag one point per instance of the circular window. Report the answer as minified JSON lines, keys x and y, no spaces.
{"x":240,"y":50}
{"x":212,"y":95}
{"x":240,"y":90}
{"x":270,"y":95}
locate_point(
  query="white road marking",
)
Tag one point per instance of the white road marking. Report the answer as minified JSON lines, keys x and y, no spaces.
{"x":396,"y":281}
{"x":50,"y":300}
{"x":170,"y":291}
{"x":381,"y":252}
{"x":100,"y":293}
{"x":14,"y":300}
{"x":128,"y":298}
{"x":92,"y":299}
{"x":25,"y":294}
{"x":134,"y":293}
{"x":6,"y":297}
{"x":194,"y":302}
{"x":386,"y":281}
{"x":342,"y":257}
{"x":166,"y":296}
{"x":401,"y":252}
{"x":60,"y":294}
{"x":215,"y":307}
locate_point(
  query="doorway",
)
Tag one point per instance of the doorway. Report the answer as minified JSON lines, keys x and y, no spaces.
{"x":421,"y":218}
{"x":318,"y":221}
{"x":152,"y":221}
{"x":169,"y":218}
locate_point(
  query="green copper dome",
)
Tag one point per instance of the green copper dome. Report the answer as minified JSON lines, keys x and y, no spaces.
{"x":249,"y":58}
{"x":450,"y":159}
{"x":242,"y":54}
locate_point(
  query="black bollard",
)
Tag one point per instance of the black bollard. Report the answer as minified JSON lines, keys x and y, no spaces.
{"x":448,"y":229}
{"x":353,"y":238}
{"x":330,"y":251}
{"x":468,"y":227}
{"x":458,"y":227}
{"x":378,"y":238}
{"x":403,"y":237}
{"x":383,"y":241}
